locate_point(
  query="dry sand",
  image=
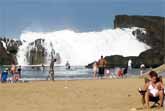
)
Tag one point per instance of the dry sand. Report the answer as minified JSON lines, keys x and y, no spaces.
{"x":79,"y":95}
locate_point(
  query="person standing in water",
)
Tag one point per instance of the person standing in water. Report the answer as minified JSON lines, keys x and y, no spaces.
{"x":101,"y":64}
{"x":67,"y":65}
{"x":125,"y":71}
{"x":13,"y":71}
{"x":95,"y":70}
{"x":43,"y":67}
{"x":51,"y":70}
{"x":19,"y":69}
{"x":130,"y":64}
{"x":142,"y":68}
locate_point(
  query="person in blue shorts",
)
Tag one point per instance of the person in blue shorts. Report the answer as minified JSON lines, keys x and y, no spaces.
{"x":4,"y":75}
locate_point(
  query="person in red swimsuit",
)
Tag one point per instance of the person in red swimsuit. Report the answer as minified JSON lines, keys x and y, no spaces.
{"x":120,"y":73}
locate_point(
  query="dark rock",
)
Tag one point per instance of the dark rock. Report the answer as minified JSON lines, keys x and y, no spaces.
{"x":5,"y":58}
{"x":154,"y":26}
{"x":37,"y":54}
{"x":152,"y":57}
{"x":154,"y":37}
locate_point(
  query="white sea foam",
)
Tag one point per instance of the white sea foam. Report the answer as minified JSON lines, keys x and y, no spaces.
{"x":86,"y":47}
{"x":4,"y":45}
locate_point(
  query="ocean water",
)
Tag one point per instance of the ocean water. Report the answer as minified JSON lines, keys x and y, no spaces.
{"x":61,"y":73}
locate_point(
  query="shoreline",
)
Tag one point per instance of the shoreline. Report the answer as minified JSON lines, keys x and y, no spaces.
{"x":80,"y":79}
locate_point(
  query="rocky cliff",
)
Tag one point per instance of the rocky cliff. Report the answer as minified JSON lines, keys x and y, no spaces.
{"x":154,"y":37}
{"x":8,"y":50}
{"x":154,"y":25}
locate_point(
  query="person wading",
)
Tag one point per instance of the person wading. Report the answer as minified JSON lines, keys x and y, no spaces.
{"x":95,"y":70}
{"x":13,"y":71}
{"x":51,"y":70}
{"x":101,"y":64}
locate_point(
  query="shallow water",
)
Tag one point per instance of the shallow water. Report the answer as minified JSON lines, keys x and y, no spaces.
{"x":61,"y":73}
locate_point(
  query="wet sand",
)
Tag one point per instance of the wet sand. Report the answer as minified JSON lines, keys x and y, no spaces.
{"x":77,"y":95}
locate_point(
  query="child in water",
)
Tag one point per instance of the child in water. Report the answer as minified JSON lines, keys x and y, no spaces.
{"x":95,"y":70}
{"x":67,"y":65}
{"x":13,"y":71}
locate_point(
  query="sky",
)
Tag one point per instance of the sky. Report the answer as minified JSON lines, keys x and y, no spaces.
{"x":17,"y":16}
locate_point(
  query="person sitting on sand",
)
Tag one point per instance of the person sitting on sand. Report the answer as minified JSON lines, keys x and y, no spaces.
{"x":161,"y":79}
{"x":149,"y":75}
{"x":153,"y":88}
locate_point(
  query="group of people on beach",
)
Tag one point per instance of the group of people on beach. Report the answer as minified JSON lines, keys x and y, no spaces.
{"x":100,"y":69}
{"x":12,"y":75}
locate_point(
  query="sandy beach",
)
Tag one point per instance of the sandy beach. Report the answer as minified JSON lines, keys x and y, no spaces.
{"x":77,"y":95}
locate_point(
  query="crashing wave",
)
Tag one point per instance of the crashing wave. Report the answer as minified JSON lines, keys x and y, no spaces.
{"x":79,"y":48}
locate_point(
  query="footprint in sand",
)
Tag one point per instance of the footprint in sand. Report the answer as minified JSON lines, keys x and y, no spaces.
{"x":133,"y":109}
{"x":136,"y":109}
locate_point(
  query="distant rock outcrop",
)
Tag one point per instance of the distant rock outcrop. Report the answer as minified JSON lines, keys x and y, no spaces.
{"x":154,"y":26}
{"x":8,"y":50}
{"x":154,"y":37}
